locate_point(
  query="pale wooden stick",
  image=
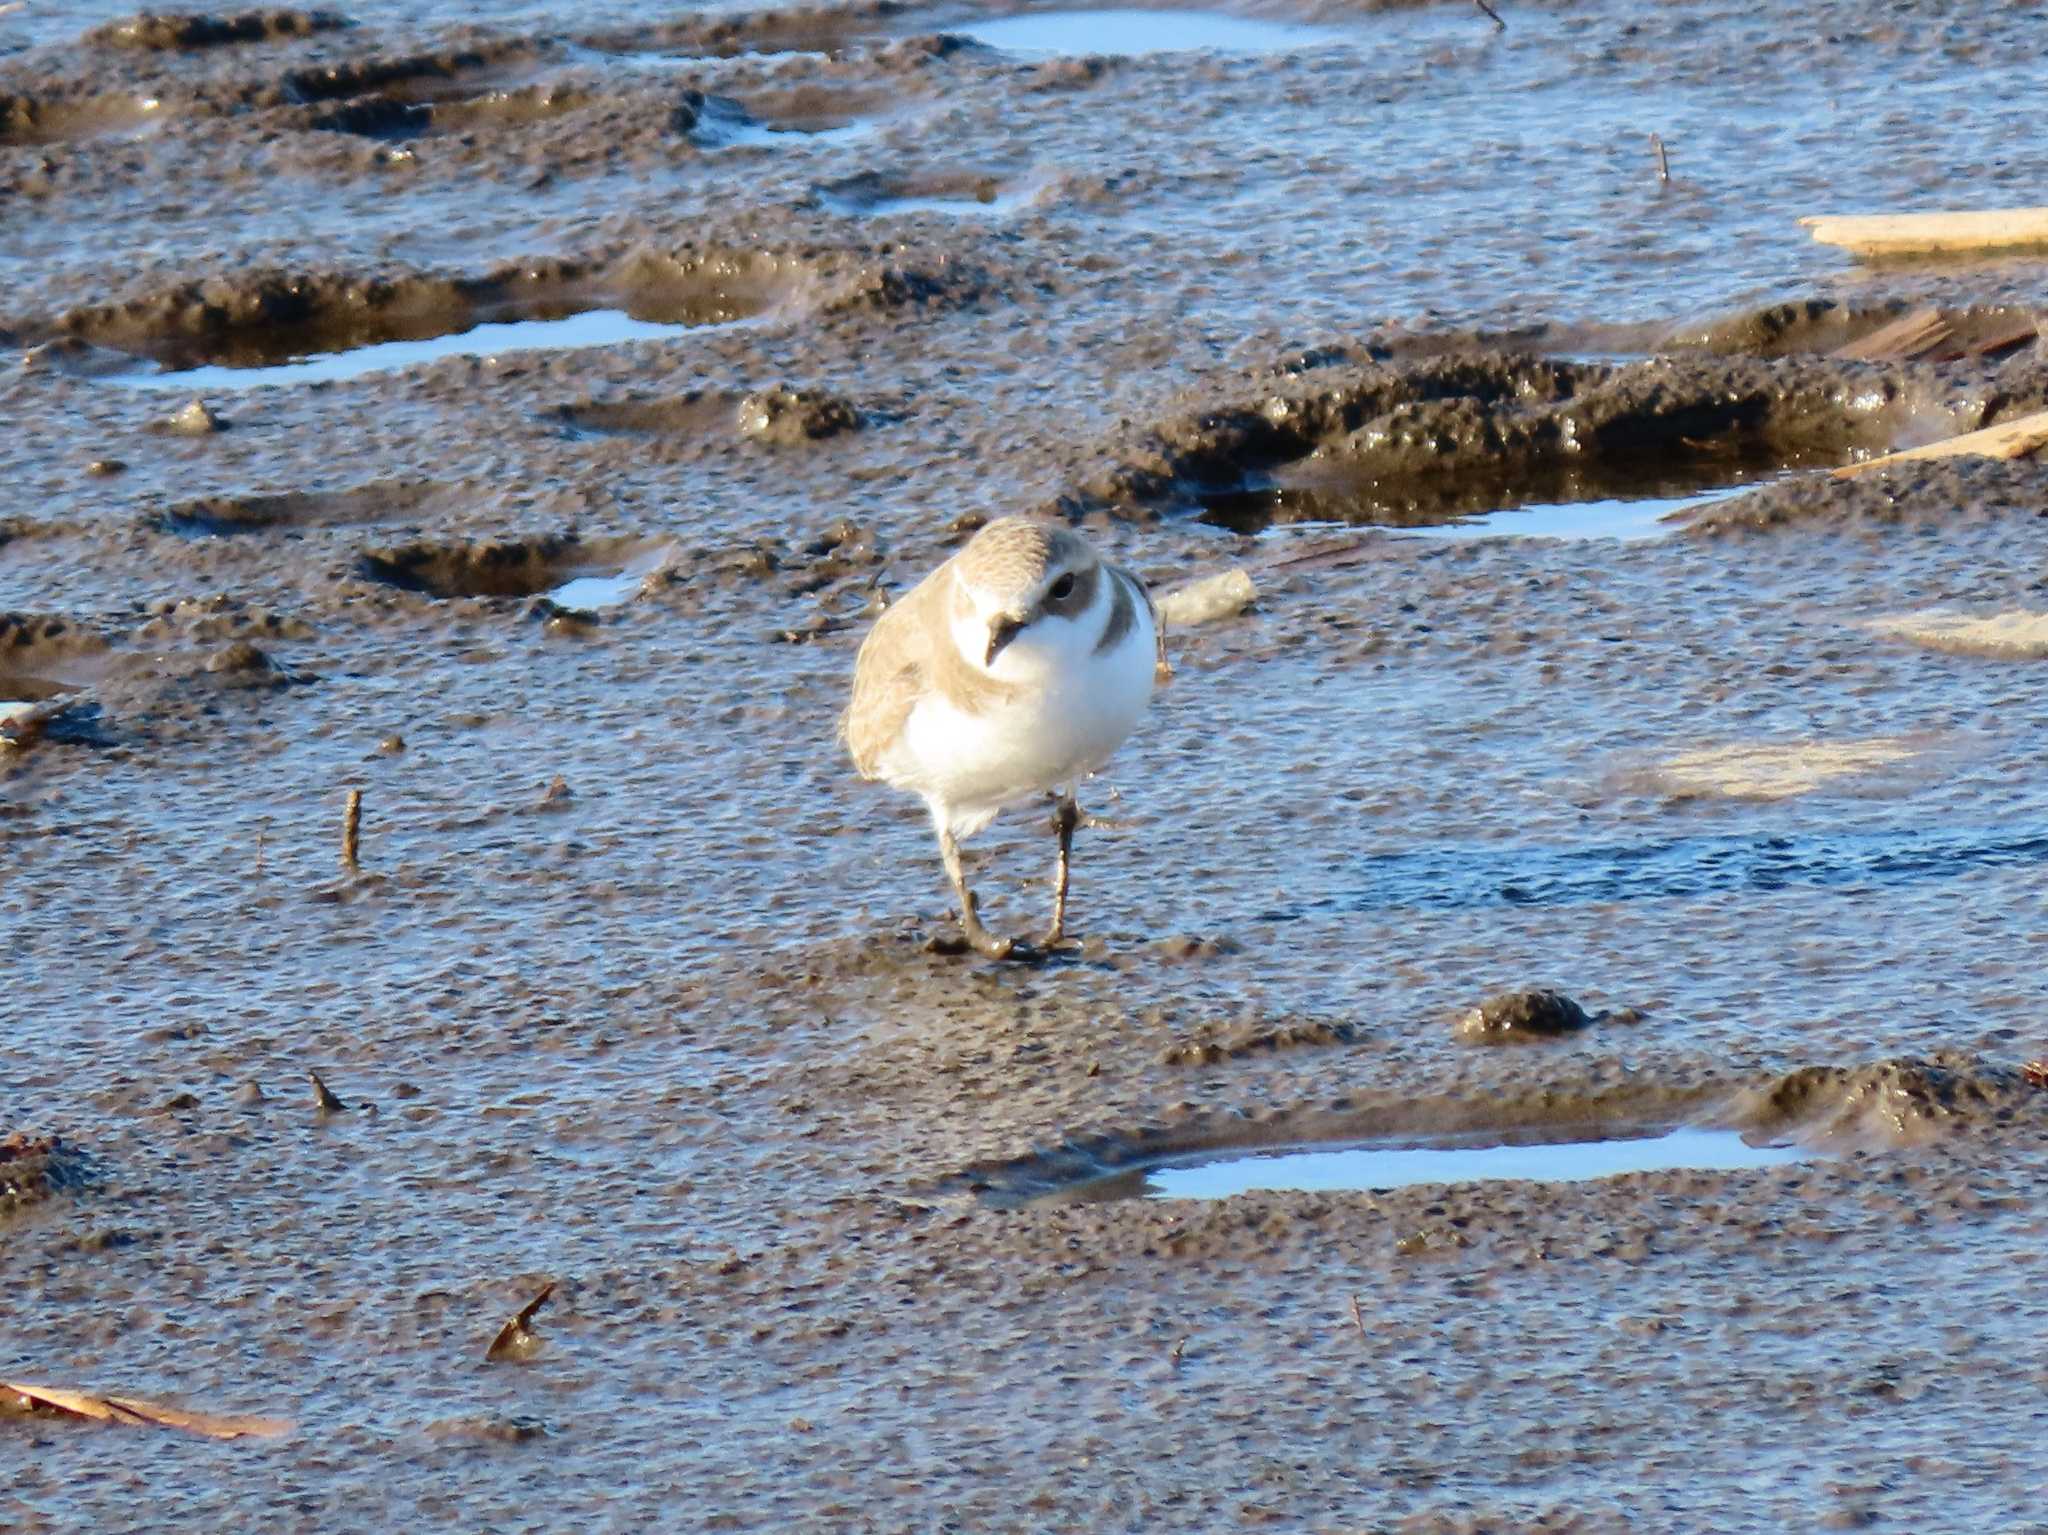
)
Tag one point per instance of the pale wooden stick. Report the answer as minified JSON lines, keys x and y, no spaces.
{"x":1902,"y":340}
{"x":133,"y":1409}
{"x":1902,"y":234}
{"x":2009,"y":439}
{"x":351,"y":827}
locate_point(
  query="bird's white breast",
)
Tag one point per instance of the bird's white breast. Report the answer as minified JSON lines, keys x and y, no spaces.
{"x":1070,"y":707}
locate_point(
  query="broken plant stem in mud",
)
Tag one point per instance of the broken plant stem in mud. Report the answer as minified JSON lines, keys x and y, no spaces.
{"x":324,"y":1100}
{"x":1499,"y":25}
{"x":351,"y":828}
{"x":1357,"y":1317}
{"x":1663,"y":160}
{"x":516,"y":1339}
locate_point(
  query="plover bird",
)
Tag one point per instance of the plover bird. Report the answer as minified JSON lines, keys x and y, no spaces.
{"x":1014,"y":669}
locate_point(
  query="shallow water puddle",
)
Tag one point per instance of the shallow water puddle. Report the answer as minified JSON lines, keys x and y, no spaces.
{"x":593,"y":593}
{"x":1139,"y":32}
{"x":734,"y":134}
{"x":1622,"y":517}
{"x":727,"y":125}
{"x":984,"y":199}
{"x":1370,"y":1167}
{"x":1649,"y":517}
{"x":955,"y":207}
{"x":588,"y":328}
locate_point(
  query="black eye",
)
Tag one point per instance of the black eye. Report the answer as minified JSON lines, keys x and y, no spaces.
{"x":1062,"y":589}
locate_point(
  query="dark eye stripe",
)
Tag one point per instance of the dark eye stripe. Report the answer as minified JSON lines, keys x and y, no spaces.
{"x":1079,"y":593}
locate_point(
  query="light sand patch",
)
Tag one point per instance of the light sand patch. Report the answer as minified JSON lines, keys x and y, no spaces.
{"x":2017,"y":635}
{"x":1776,"y":770}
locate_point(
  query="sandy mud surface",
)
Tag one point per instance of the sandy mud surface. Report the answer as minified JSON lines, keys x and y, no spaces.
{"x":517,"y":417}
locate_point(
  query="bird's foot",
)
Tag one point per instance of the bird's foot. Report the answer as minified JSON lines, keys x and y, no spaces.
{"x":985,"y":943}
{"x":1057,"y":938}
{"x":1017,"y":951}
{"x":989,"y":946}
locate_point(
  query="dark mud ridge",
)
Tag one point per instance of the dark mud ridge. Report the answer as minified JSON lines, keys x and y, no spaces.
{"x":395,"y":500}
{"x":64,"y":684}
{"x":44,"y":656}
{"x":779,"y":415}
{"x":1897,"y":331}
{"x":518,"y":109}
{"x":1424,"y":441}
{"x":260,"y":318}
{"x":1357,"y":434}
{"x":1912,"y":1101}
{"x":164,"y":30}
{"x":824,"y":29}
{"x":1952,"y":491}
{"x":516,"y":568}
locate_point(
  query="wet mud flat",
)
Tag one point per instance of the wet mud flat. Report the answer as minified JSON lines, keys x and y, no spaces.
{"x":1603,"y":807}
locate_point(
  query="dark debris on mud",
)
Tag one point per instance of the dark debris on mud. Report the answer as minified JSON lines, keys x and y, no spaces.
{"x":162,"y":30}
{"x":1508,"y":1016}
{"x":33,"y":1168}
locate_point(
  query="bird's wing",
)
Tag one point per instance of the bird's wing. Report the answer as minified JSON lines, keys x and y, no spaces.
{"x":889,"y":677}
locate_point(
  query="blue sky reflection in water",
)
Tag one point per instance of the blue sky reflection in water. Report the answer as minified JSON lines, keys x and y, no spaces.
{"x":1338,"y":1169}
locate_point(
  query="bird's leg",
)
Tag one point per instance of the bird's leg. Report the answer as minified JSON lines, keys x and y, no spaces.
{"x":1066,"y":815}
{"x":983,"y":941}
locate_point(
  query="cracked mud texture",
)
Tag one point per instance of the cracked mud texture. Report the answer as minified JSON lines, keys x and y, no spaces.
{"x":629,"y":989}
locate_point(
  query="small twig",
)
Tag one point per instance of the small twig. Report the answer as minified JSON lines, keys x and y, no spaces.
{"x":1357,"y":1316}
{"x":1177,"y":1348}
{"x":1499,"y":25}
{"x":1663,"y":160}
{"x":259,"y":852}
{"x":351,"y":828}
{"x":325,"y":1100}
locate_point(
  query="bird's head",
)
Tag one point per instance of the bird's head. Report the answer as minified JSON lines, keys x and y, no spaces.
{"x":1020,"y":589}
